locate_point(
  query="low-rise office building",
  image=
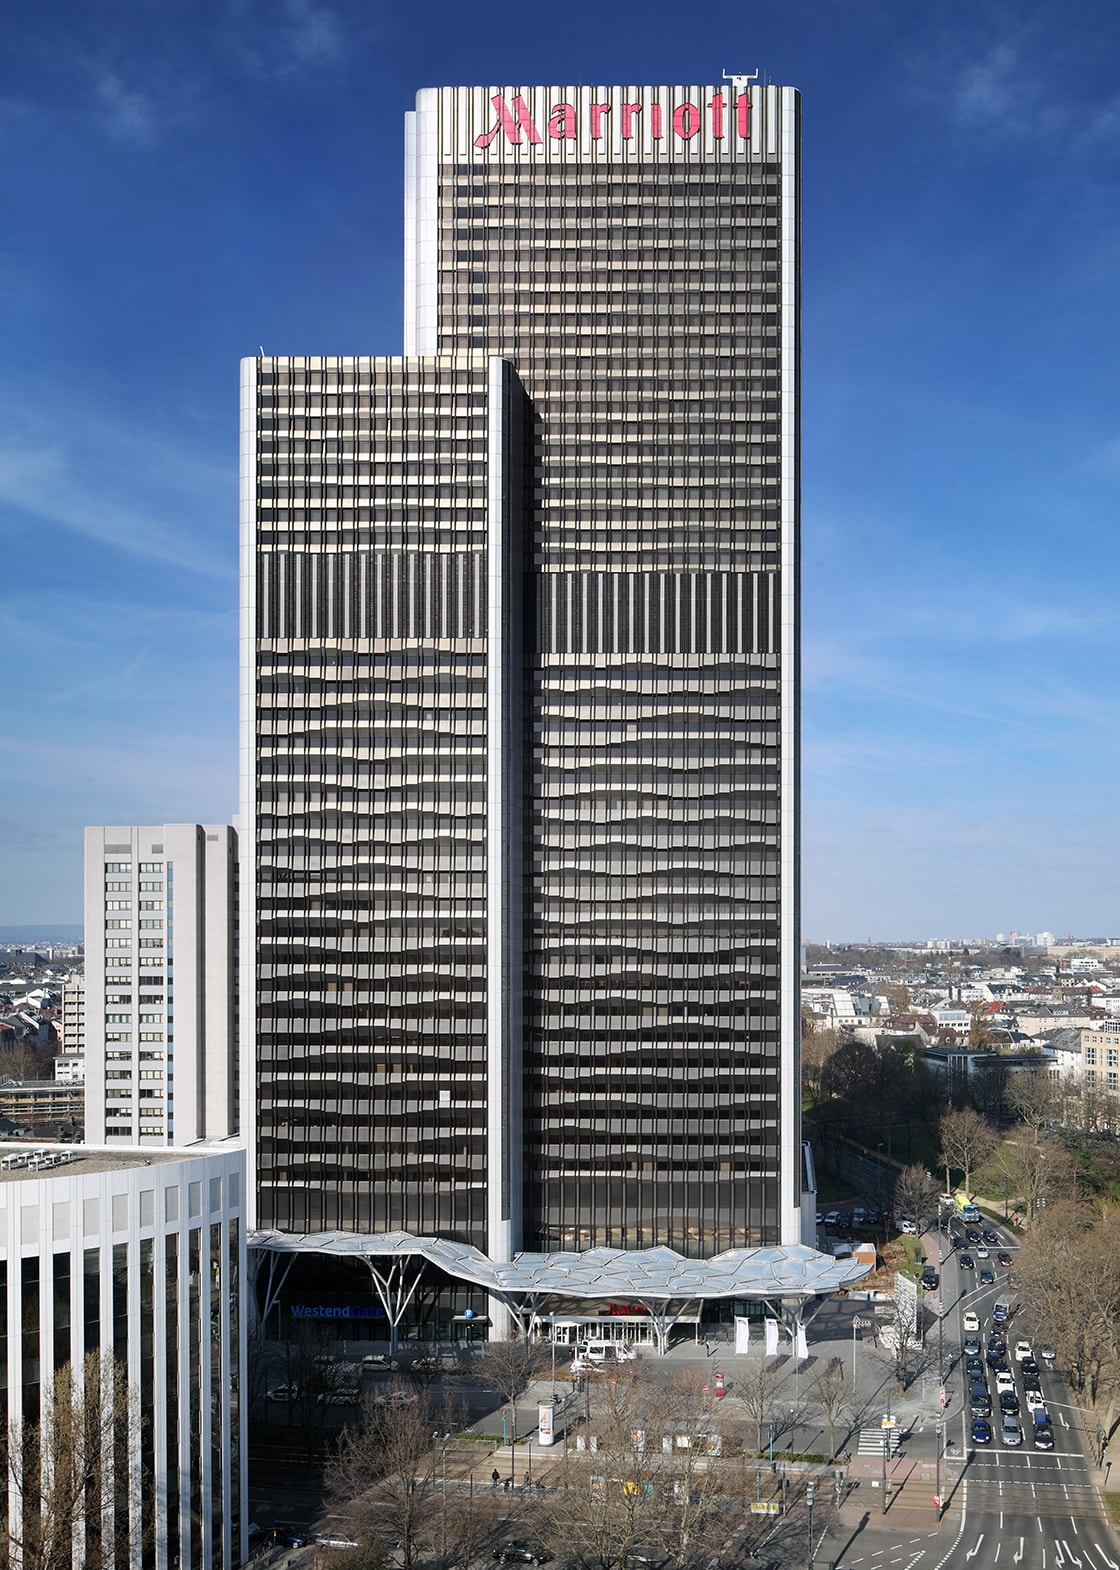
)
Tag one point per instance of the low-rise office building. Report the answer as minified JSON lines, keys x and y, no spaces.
{"x":127,"y":1266}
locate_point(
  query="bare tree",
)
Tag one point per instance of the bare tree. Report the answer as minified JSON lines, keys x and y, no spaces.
{"x":900,"y":1333}
{"x":62,"y":1469}
{"x":916,"y":1192}
{"x":510,"y":1367}
{"x":386,"y":1483}
{"x":757,"y":1392}
{"x":1033,"y":1097}
{"x":652,"y":1484}
{"x":966,"y":1143}
{"x":833,"y":1391}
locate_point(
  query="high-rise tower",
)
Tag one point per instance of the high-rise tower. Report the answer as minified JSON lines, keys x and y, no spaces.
{"x":592,"y":1016}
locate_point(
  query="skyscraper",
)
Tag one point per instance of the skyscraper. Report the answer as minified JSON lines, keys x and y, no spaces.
{"x":522,"y":929}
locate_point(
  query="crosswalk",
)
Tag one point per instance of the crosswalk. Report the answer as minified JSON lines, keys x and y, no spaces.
{"x":871,"y":1441}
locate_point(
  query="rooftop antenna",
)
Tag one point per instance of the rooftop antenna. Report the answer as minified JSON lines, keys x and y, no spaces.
{"x":739,"y":78}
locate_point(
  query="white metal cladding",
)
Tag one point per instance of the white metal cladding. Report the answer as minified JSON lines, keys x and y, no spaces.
{"x":659,"y":1274}
{"x":103,"y":1200}
{"x":466,"y":114}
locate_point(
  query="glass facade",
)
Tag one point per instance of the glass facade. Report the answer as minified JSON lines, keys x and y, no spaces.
{"x":645,"y":290}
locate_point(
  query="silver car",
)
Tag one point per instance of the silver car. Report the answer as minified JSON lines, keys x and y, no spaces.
{"x":1010,"y":1431}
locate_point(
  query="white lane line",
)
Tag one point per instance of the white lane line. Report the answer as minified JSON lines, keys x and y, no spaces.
{"x":974,"y":1551}
{"x":944,"y":1560}
{"x":996,"y":1555}
{"x":1073,"y":1523}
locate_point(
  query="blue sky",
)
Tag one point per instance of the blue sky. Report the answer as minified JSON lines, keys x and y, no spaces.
{"x":182,"y":182}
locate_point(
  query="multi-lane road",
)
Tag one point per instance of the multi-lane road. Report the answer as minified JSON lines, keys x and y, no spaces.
{"x":1019,"y":1506}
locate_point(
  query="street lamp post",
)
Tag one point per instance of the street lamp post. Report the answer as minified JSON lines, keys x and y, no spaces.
{"x":770,"y":1429}
{"x":809,"y":1545}
{"x":938,"y":1496}
{"x":886,"y":1448}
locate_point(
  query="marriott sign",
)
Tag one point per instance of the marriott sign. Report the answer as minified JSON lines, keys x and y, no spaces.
{"x":514,"y":120}
{"x":721,"y":123}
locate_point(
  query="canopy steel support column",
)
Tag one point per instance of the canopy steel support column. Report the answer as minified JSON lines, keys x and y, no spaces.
{"x":277,"y":1276}
{"x":395,"y":1291}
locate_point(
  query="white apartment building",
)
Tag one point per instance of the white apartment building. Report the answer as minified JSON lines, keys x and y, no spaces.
{"x":134,"y":1259}
{"x":72,"y":1027}
{"x":161,"y":983}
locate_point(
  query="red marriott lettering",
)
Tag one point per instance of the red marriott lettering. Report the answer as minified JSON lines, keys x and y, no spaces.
{"x":514,"y":121}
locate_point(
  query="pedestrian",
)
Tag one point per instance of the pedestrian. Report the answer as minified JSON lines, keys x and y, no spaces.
{"x":495,"y":1478}
{"x":505,"y":1485}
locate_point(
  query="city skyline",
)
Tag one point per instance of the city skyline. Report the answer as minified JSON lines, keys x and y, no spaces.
{"x":960,"y":454}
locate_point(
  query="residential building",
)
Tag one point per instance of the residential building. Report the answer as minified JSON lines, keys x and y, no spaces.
{"x":1100,"y":1050}
{"x":135,"y":1260}
{"x":161,"y":983}
{"x":72,"y":1031}
{"x":520,"y":693}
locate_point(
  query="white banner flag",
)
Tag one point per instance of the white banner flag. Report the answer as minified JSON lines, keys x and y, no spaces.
{"x":771,"y":1338}
{"x":742,"y":1334}
{"x":802,"y":1344}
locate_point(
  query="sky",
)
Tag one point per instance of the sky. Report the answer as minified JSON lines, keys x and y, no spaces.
{"x":184,"y":181}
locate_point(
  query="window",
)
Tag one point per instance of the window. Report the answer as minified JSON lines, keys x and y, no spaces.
{"x":118,"y":866}
{"x":151,"y":866}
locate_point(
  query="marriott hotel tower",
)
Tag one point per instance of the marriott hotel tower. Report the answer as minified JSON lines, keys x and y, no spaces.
{"x":520,"y":808}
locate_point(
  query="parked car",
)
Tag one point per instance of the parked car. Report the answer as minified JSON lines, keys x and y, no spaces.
{"x":832,"y":1218}
{"x":1047,"y":1353}
{"x":521,"y":1554}
{"x":929,"y":1278}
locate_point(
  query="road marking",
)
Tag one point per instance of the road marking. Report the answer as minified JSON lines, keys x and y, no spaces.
{"x":1019,"y":1555}
{"x":1073,"y":1523}
{"x":974,"y":1551}
{"x":996,"y":1555}
{"x":1072,"y":1556}
{"x":1111,"y":1563}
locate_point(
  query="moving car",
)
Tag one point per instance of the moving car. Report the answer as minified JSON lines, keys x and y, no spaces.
{"x":996,"y":1345}
{"x":1022,"y":1350}
{"x":986,"y":1278}
{"x":929,"y":1278}
{"x":974,"y":1368}
{"x":1035,"y":1403}
{"x":1010,"y":1431}
{"x":1004,"y":1257}
{"x":982,"y":1251}
{"x":981,"y":1431}
{"x":990,"y":1236}
{"x":1047,"y":1353}
{"x":971,"y":1320}
{"x":965,"y":1262}
{"x":1043,"y":1436}
{"x":979,"y":1401}
{"x":972,"y":1346}
{"x":1009,"y":1403}
{"x":973,"y":1234}
{"x":1005,"y":1381}
{"x":521,"y":1554}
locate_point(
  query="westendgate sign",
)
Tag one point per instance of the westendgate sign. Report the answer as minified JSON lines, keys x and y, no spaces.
{"x":725,"y":119}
